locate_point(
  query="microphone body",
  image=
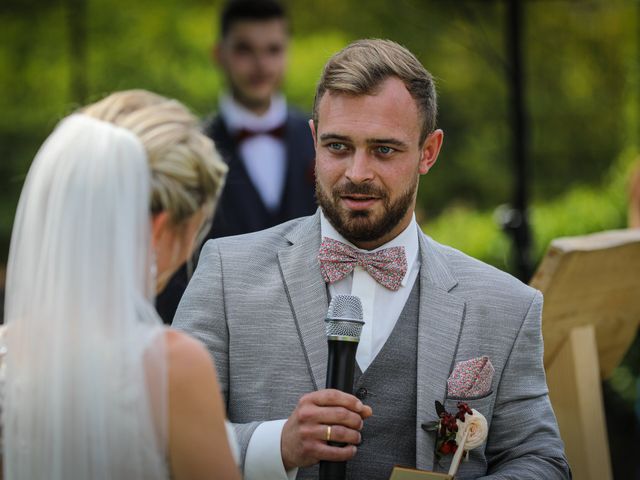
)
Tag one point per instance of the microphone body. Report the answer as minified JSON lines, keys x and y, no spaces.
{"x":343,"y":325}
{"x":341,"y":365}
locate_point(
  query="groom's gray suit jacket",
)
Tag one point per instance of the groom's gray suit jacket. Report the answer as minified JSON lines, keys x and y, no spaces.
{"x":258,"y":302}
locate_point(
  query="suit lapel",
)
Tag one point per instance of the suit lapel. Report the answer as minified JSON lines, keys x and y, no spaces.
{"x":439,"y":325}
{"x":307,"y":294}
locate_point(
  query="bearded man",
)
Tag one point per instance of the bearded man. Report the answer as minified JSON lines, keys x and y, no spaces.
{"x":439,"y":326}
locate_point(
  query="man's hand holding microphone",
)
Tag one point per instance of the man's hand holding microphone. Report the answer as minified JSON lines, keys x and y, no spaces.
{"x":325,"y":425}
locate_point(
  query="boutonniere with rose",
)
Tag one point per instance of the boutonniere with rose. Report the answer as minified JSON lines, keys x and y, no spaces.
{"x":458,"y":433}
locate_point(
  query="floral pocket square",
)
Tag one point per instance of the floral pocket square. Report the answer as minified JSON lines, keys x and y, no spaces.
{"x":471,"y":378}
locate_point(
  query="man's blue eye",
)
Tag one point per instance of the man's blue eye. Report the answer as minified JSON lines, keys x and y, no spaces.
{"x":385,"y":150}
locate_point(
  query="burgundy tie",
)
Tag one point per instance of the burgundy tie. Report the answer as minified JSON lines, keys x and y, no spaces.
{"x":387,"y":266}
{"x":245,"y":134}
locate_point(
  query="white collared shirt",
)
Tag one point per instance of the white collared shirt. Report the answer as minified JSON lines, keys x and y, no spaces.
{"x":381,"y":307}
{"x":381,"y":310}
{"x":263,"y":156}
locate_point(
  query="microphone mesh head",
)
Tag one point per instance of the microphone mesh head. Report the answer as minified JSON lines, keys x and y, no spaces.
{"x":344,"y":317}
{"x":344,"y":328}
{"x":345,"y":307}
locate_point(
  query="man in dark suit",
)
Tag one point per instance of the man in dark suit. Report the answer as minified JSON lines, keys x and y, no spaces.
{"x":266,"y":144}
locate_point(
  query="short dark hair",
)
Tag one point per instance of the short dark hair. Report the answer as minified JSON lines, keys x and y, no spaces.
{"x":238,"y":10}
{"x":363,"y":66}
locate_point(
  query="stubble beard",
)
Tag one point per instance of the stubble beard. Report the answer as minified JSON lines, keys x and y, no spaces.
{"x":363,"y":226}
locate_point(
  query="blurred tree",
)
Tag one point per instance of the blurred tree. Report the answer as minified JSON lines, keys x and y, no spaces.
{"x":76,"y":11}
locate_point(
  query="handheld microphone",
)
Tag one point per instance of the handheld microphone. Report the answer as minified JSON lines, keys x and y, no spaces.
{"x":343,"y":326}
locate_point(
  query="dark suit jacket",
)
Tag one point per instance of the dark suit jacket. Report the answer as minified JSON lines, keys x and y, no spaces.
{"x":240,"y":209}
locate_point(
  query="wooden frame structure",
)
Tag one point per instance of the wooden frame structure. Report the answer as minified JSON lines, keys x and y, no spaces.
{"x":591,"y":315}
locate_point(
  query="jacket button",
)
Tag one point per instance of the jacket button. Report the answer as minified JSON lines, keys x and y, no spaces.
{"x":361,"y":393}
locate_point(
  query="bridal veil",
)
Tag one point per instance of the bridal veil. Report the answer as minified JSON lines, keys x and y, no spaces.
{"x":85,"y":388}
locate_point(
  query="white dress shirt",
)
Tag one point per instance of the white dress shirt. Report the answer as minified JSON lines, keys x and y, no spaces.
{"x":381,"y":309}
{"x":263,"y":156}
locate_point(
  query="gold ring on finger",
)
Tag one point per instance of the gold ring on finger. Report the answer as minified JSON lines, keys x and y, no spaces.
{"x":328,"y":433}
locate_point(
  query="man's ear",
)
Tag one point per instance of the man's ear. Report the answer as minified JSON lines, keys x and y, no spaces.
{"x":313,"y":133}
{"x":430,"y":150}
{"x":159,"y":226}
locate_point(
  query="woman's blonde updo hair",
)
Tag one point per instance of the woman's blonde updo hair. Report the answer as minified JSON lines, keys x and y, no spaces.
{"x":187,"y":173}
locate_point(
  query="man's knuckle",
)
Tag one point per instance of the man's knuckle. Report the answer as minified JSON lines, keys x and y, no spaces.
{"x":353,"y":437}
{"x":305,"y":414}
{"x":307,"y":449}
{"x":305,"y":431}
{"x":332,"y":395}
{"x":343,"y":415}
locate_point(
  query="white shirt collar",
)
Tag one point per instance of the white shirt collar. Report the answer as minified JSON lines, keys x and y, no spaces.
{"x":237,"y":117}
{"x":408,"y":239}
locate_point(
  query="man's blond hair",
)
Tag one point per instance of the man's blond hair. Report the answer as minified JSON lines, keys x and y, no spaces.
{"x":362,"y":67}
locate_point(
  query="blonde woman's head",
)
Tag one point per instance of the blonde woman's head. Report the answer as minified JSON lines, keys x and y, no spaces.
{"x":187,"y":173}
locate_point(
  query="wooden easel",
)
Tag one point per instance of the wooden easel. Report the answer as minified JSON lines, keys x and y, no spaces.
{"x":591,"y":315}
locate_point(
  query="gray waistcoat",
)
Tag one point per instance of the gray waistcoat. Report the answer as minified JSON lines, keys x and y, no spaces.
{"x":389,"y":387}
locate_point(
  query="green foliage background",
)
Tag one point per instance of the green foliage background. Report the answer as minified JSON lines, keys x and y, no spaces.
{"x":581,"y":82}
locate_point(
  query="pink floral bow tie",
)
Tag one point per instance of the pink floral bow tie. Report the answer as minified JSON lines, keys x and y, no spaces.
{"x":337,"y":260}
